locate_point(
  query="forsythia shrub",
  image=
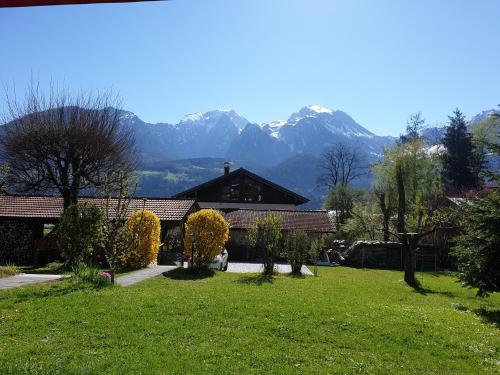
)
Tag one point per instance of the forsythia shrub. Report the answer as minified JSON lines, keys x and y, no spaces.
{"x":144,"y":229}
{"x":211,"y":232}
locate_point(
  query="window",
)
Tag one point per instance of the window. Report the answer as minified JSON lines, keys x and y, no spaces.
{"x":252,"y":192}
{"x":231,"y":192}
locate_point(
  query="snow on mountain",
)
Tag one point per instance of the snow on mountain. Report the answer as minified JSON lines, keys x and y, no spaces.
{"x":210,"y":119}
{"x":273,"y":128}
{"x":337,"y":122}
{"x":483,"y":116}
{"x":314,"y":128}
{"x":223,"y":133}
{"x":308,"y":111}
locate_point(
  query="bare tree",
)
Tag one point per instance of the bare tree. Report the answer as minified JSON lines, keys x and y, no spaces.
{"x":117,"y":239}
{"x":340,"y":165}
{"x":3,"y":174}
{"x":65,"y":144}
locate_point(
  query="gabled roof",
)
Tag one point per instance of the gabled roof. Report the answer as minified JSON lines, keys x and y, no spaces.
{"x":51,"y":207}
{"x":300,"y":199}
{"x":309,"y":221}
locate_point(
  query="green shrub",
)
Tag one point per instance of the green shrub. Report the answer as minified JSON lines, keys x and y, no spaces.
{"x":316,"y":248}
{"x":8,"y":270}
{"x":85,"y":273}
{"x":265,"y":234}
{"x":80,"y":229}
{"x":297,"y":247}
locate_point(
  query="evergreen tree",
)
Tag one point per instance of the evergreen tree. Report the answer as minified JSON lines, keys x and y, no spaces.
{"x":459,"y":160}
{"x":478,"y":247}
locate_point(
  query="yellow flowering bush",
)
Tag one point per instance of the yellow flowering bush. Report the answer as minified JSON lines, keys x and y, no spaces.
{"x":144,"y":229}
{"x":210,"y":232}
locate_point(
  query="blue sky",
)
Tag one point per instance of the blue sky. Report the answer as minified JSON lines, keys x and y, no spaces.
{"x":379,"y":61}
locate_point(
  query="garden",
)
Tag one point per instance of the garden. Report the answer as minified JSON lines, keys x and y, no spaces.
{"x":344,"y":320}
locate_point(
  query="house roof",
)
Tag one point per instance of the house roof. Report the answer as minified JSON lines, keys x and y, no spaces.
{"x":299,"y":198}
{"x":51,"y":207}
{"x":309,"y":221}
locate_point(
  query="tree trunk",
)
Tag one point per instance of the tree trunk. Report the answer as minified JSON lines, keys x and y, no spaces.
{"x":66,"y":200}
{"x":410,"y":261}
{"x":386,"y":215}
{"x":401,"y":200}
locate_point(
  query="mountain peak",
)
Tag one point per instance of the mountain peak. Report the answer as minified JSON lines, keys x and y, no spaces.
{"x":317,"y":109}
{"x":210,"y":118}
{"x":311,"y":110}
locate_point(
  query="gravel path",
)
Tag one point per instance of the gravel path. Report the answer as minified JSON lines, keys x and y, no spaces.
{"x":26,"y":279}
{"x":144,"y":274}
{"x":258,"y":267}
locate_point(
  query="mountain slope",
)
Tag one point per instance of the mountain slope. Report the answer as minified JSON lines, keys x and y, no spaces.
{"x":254,"y":143}
{"x":224,"y":133}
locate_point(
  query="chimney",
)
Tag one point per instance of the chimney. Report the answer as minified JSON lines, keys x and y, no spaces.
{"x":227,"y":166}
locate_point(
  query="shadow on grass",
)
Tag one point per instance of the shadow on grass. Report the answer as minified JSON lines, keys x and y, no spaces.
{"x":296,"y":275}
{"x":50,"y":289}
{"x":188,"y":274}
{"x":258,"y":279}
{"x":489,"y":316}
{"x":54,"y":268}
{"x":425,"y":291}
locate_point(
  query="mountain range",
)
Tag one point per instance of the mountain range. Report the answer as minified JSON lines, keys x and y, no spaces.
{"x":175,"y":157}
{"x":225,"y":134}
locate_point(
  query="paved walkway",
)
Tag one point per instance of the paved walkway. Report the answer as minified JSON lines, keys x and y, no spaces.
{"x":23,"y":279}
{"x":258,"y":267}
{"x":140,"y":275}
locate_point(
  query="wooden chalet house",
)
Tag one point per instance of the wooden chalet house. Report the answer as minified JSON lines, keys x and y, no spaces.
{"x":241,"y":189}
{"x":243,"y":197}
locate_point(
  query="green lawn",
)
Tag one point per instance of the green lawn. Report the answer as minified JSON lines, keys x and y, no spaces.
{"x":344,"y":321}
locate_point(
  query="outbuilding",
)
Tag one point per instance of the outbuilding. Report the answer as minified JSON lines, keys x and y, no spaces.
{"x":26,"y":222}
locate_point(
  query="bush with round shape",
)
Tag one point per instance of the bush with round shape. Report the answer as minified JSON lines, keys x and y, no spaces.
{"x":144,"y":229}
{"x":210,"y":232}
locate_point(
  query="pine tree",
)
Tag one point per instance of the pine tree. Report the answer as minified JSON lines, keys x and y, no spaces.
{"x":478,"y":248}
{"x":458,"y":162}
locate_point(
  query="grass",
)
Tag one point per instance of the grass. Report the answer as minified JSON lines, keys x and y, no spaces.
{"x":344,"y":321}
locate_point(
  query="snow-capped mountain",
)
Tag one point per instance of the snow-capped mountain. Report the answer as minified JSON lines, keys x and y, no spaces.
{"x":224,"y":133}
{"x":483,"y":116}
{"x":208,"y":120}
{"x":314,"y":128}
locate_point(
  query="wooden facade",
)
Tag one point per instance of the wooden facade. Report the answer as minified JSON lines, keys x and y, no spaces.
{"x":242,"y":189}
